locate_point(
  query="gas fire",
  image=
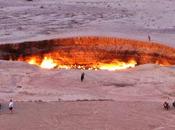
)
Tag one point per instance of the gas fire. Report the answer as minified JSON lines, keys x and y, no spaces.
{"x":118,"y":65}
{"x":90,"y":53}
{"x":50,"y":63}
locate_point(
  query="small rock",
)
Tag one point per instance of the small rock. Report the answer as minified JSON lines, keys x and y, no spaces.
{"x":19,"y":86}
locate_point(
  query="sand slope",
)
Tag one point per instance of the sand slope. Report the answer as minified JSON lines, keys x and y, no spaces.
{"x":129,"y":99}
{"x":26,"y":82}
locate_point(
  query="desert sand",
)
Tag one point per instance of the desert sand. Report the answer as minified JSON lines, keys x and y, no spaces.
{"x":56,"y":99}
{"x":88,"y":115}
{"x":45,"y":19}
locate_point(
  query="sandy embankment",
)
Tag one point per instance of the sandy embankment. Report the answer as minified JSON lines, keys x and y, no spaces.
{"x":25,"y":82}
{"x":135,"y":103}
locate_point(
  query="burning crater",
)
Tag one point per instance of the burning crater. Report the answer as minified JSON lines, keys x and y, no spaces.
{"x":88,"y":53}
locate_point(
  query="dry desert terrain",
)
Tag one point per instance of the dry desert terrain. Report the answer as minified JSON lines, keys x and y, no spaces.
{"x":56,"y":99}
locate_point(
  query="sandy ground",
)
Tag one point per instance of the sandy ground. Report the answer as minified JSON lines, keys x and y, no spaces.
{"x":103,"y":115}
{"x":43,"y":19}
{"x":119,"y":100}
{"x":122,"y":100}
{"x":24,"y":82}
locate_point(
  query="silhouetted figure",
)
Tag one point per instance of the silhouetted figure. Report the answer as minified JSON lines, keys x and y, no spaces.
{"x":82,"y":77}
{"x":149,"y":38}
{"x":0,"y":106}
{"x":166,"y":106}
{"x":11,"y":105}
{"x":173,"y":104}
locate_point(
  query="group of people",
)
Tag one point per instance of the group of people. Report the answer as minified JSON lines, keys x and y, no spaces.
{"x":10,"y":105}
{"x":166,"y":105}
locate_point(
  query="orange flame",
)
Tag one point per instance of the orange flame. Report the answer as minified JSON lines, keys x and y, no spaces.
{"x":118,"y":65}
{"x":105,"y":53}
{"x":49,"y":63}
{"x":32,"y":61}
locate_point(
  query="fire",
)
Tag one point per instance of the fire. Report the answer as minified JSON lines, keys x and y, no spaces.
{"x":118,"y":65}
{"x":32,"y":61}
{"x":91,"y":53}
{"x":48,"y":63}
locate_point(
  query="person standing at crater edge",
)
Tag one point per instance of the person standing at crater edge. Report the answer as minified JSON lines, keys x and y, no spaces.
{"x":11,"y":105}
{"x":82,"y":76}
{"x":149,"y":38}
